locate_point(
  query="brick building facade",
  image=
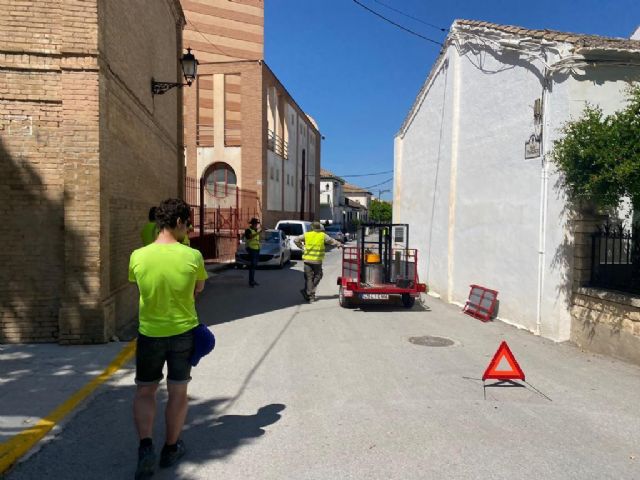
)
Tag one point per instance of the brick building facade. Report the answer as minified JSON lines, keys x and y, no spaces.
{"x":85,"y":149}
{"x":242,"y":128}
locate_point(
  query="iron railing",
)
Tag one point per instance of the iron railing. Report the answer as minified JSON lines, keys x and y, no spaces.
{"x":277,"y":144}
{"x":614,"y":253}
{"x":219,"y":219}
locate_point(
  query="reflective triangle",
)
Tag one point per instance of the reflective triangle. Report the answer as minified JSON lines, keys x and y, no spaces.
{"x":496,"y":372}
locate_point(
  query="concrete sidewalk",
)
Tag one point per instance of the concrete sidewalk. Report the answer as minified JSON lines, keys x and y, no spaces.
{"x":35,"y":379}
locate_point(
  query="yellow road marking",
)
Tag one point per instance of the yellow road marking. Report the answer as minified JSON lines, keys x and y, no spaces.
{"x":16,"y":447}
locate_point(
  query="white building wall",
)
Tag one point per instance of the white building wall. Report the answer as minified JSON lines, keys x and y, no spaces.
{"x":326,"y":192}
{"x":422,"y":172}
{"x":497,"y":215}
{"x":290,"y":165}
{"x":474,"y":202}
{"x":605,"y":87}
{"x":274,"y":181}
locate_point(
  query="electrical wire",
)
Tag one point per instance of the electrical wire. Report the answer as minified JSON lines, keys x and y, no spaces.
{"x":207,"y":39}
{"x":365,"y":174}
{"x":378,"y":184}
{"x":411,"y":16}
{"x":397,"y":24}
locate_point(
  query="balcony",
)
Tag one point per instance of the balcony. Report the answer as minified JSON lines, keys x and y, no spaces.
{"x":277,"y":145}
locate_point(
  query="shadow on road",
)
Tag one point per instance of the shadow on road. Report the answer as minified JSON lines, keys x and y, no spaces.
{"x":228,"y":297}
{"x":209,"y":438}
{"x":102,"y":438}
{"x":392,"y":306}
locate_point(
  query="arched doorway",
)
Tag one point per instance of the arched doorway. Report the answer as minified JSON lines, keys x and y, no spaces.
{"x":220,"y":180}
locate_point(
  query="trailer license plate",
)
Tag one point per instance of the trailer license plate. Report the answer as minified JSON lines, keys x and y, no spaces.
{"x":374,"y":296}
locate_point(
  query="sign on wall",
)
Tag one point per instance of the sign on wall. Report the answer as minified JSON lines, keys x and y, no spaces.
{"x":532,"y":146}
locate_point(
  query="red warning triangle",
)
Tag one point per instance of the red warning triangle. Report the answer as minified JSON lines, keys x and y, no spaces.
{"x":492,"y":371}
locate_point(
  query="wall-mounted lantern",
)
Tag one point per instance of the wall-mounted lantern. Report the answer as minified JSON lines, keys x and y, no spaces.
{"x":189,"y":70}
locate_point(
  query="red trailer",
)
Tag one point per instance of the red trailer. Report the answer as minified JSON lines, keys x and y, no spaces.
{"x":380,"y":268}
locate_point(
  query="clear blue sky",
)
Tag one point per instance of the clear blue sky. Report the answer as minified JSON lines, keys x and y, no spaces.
{"x":358,"y":75}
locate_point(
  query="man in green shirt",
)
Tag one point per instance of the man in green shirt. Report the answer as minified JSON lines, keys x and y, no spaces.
{"x":169,"y":275}
{"x":150,"y":230}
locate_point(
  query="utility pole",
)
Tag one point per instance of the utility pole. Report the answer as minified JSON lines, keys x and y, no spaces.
{"x":380,"y":192}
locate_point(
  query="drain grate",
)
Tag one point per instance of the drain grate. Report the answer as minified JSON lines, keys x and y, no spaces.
{"x":429,"y":341}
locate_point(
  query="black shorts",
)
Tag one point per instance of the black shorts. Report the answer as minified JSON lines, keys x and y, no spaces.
{"x":153,"y":352}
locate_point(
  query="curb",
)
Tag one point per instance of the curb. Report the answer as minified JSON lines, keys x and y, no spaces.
{"x":12,"y":450}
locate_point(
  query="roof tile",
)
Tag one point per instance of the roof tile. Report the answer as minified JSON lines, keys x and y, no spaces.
{"x":579,"y":39}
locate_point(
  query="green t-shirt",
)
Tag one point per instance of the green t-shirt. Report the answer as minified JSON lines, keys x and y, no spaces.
{"x":166,"y":274}
{"x":149,"y":233}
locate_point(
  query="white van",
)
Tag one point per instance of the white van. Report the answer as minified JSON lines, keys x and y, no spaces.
{"x":292,"y":229}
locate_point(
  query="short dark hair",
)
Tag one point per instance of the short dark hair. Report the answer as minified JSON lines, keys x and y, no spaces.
{"x":152,"y":214}
{"x":169,"y":211}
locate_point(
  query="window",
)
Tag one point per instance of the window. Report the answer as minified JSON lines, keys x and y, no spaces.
{"x":220,"y":179}
{"x":291,"y":228}
{"x":273,"y":236}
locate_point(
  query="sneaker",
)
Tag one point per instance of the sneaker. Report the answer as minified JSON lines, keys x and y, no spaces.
{"x":304,"y":294}
{"x":146,"y":462}
{"x":169,"y":458}
{"x":312,"y":299}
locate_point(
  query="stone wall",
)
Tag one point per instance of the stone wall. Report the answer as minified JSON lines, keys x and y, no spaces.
{"x":606,"y":322}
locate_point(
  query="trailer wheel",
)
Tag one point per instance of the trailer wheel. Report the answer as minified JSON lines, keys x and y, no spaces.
{"x":408,"y":300}
{"x":344,"y":301}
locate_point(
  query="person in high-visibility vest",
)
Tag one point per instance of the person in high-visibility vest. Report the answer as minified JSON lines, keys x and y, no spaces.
{"x":312,"y":243}
{"x":252,"y":240}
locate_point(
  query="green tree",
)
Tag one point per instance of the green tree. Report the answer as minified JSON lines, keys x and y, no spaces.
{"x":380,"y":211}
{"x":599,"y":159}
{"x":599,"y":156}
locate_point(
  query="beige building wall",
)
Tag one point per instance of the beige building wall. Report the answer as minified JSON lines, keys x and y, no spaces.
{"x":238,"y":103}
{"x":225,"y":30}
{"x":141,"y":155}
{"x":285,"y":173}
{"x":219,"y":32}
{"x":80,"y":139}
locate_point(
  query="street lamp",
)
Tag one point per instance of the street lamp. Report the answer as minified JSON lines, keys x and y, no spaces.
{"x":189,"y":70}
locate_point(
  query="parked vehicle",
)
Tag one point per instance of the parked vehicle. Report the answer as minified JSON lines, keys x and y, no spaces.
{"x":292,"y":229}
{"x":274,"y":250}
{"x":336,"y":231}
{"x":379,"y":270}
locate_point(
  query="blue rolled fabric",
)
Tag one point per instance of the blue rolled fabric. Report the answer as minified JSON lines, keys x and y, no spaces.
{"x":203,"y":343}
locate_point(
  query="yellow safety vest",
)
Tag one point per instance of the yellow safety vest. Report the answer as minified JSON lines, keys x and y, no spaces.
{"x":313,"y":246}
{"x":253,"y":242}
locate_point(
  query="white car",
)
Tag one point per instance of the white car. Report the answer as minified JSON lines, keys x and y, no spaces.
{"x":274,"y":250}
{"x":293,"y":229}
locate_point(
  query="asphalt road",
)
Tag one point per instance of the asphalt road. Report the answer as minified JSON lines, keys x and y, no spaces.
{"x":298,"y":391}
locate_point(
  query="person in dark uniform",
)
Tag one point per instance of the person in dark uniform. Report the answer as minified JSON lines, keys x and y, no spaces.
{"x":252,"y":239}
